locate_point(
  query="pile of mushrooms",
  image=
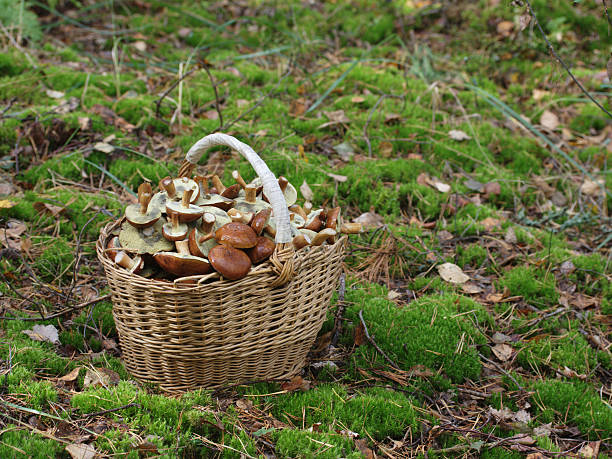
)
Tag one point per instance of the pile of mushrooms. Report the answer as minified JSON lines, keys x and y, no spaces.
{"x":189,"y":228}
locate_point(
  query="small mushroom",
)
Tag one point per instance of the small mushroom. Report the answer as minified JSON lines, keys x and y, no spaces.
{"x":262,"y":251}
{"x":174,"y":230}
{"x":322,"y":236}
{"x":289,"y":191}
{"x":221,"y":216}
{"x":297,"y":209}
{"x":202,"y":185}
{"x":239,"y":180}
{"x":202,"y":239}
{"x":332,"y":220}
{"x":242,"y":217}
{"x":142,"y":215}
{"x":299,"y":241}
{"x":182,"y":263}
{"x":231,"y":263}
{"x":237,"y":235}
{"x":259,"y":221}
{"x":351,"y":228}
{"x":250,"y":204}
{"x":134,"y":266}
{"x":186,"y":212}
{"x":218,"y":184}
{"x":314,"y":222}
{"x":113,"y":247}
{"x":176,"y":187}
{"x":148,"y":240}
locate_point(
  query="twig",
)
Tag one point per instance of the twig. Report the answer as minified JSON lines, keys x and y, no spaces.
{"x":567,"y":69}
{"x":606,"y":11}
{"x":258,"y":103}
{"x":365,"y":127}
{"x":502,"y":370}
{"x":59,"y":313}
{"x":373,"y":343}
{"x":111,"y":410}
{"x":169,"y":90}
{"x":214,"y":86}
{"x":339,"y":311}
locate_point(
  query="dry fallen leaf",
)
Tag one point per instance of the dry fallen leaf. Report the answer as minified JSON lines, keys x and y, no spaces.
{"x":491,"y":188}
{"x":440,"y":186}
{"x":539,"y":94}
{"x":100,"y":377}
{"x":591,"y":188}
{"x":500,"y":338}
{"x":549,"y":120}
{"x":370,"y":220}
{"x":385,"y":148}
{"x":296,"y":383}
{"x":504,"y":28}
{"x":524,"y":20}
{"x":81,"y":451}
{"x":452,"y":273}
{"x":458,"y":135}
{"x":357,"y":99}
{"x":335,"y":117}
{"x":306,"y":191}
{"x":490,"y":223}
{"x":140,"y":46}
{"x":72,"y":376}
{"x":471,"y":288}
{"x":297,"y":107}
{"x":362,"y":446}
{"x":46,"y":333}
{"x":345,"y":150}
{"x":360,"y":336}
{"x":337,"y":178}
{"x":44,"y":208}
{"x":591,"y":449}
{"x":6,"y":204}
{"x":522,"y":416}
{"x":502,"y":351}
{"x":104,"y":147}
{"x":54,"y":94}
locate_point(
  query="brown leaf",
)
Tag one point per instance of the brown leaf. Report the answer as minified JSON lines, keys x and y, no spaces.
{"x":471,"y":288}
{"x":392,"y":118}
{"x":591,"y":449}
{"x":567,"y":267}
{"x":536,"y":456}
{"x":500,"y":338}
{"x":296,"y":383}
{"x":524,"y":20}
{"x":502,"y":351}
{"x":385,"y":148}
{"x":360,"y":336}
{"x":522,"y":439}
{"x":211,"y":115}
{"x":46,"y":333}
{"x":549,"y":120}
{"x":72,"y":376}
{"x":298,"y":107}
{"x":306,"y":191}
{"x":147,"y":447}
{"x":362,"y":446}
{"x":45,"y":208}
{"x":569,"y":373}
{"x":357,"y":99}
{"x":81,"y":451}
{"x":423,"y":179}
{"x":452,"y":273}
{"x":505,"y":28}
{"x":244,"y":404}
{"x":510,"y":236}
{"x":370,"y":220}
{"x":6,"y":204}
{"x":491,"y":188}
{"x":490,"y":223}
{"x":335,"y":117}
{"x":100,"y":377}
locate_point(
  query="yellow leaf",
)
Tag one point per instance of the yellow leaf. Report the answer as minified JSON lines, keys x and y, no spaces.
{"x":6,"y":204}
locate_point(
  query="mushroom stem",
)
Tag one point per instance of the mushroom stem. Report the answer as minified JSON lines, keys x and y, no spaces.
{"x":208,"y":221}
{"x":144,"y":199}
{"x":298,"y":210}
{"x":250,"y":194}
{"x":218,"y":184}
{"x":351,"y":228}
{"x":322,"y":236}
{"x":205,"y":238}
{"x":270,"y":230}
{"x":186,"y":198}
{"x":125,"y":261}
{"x":182,"y":247}
{"x":242,"y":217}
{"x":174,"y":219}
{"x":236,"y":176}
{"x":202,"y":185}
{"x":167,"y":184}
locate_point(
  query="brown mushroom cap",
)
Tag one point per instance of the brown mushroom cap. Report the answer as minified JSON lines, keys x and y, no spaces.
{"x":200,"y":244}
{"x":332,"y":220}
{"x":313,"y":222}
{"x":113,"y":247}
{"x":262,"y":250}
{"x":260,"y":220}
{"x":237,"y":235}
{"x":182,"y":265}
{"x":324,"y":235}
{"x":215,"y":200}
{"x":231,"y":263}
{"x":232,"y":191}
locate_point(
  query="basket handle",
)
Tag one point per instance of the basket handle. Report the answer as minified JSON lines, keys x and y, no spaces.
{"x":282,"y":259}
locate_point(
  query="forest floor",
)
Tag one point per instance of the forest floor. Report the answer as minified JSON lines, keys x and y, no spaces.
{"x":448,"y":127}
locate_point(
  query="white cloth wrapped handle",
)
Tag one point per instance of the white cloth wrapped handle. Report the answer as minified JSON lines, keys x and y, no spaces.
{"x":269,"y":181}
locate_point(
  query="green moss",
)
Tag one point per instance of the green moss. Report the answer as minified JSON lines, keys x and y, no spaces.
{"x":375,"y":412}
{"x":55,"y":260}
{"x":310,"y":445}
{"x":472,"y":255}
{"x":500,"y":453}
{"x":590,"y":117}
{"x":36,"y":394}
{"x":20,"y":442}
{"x":570,"y":350}
{"x":131,"y":172}
{"x":575,"y":403}
{"x":425,"y":332}
{"x":535,"y":285}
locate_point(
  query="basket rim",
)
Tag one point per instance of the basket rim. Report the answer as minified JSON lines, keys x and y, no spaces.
{"x":186,"y":283}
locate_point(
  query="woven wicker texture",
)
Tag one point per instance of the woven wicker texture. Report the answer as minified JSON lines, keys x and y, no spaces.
{"x":207,"y":334}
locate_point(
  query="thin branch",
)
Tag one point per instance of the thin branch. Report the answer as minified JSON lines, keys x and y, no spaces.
{"x":169,"y":90}
{"x":76,"y":307}
{"x":339,"y":310}
{"x":567,"y":69}
{"x":373,"y":343}
{"x":365,"y":127}
{"x":606,"y":11}
{"x":111,"y":410}
{"x":214,"y":86}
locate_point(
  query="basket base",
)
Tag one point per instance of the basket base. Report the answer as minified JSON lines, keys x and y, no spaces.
{"x":180,"y":375}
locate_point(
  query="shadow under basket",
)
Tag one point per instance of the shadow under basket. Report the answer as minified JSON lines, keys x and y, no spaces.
{"x":215,"y":332}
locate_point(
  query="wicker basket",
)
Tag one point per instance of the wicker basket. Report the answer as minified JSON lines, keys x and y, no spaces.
{"x":204,"y":331}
